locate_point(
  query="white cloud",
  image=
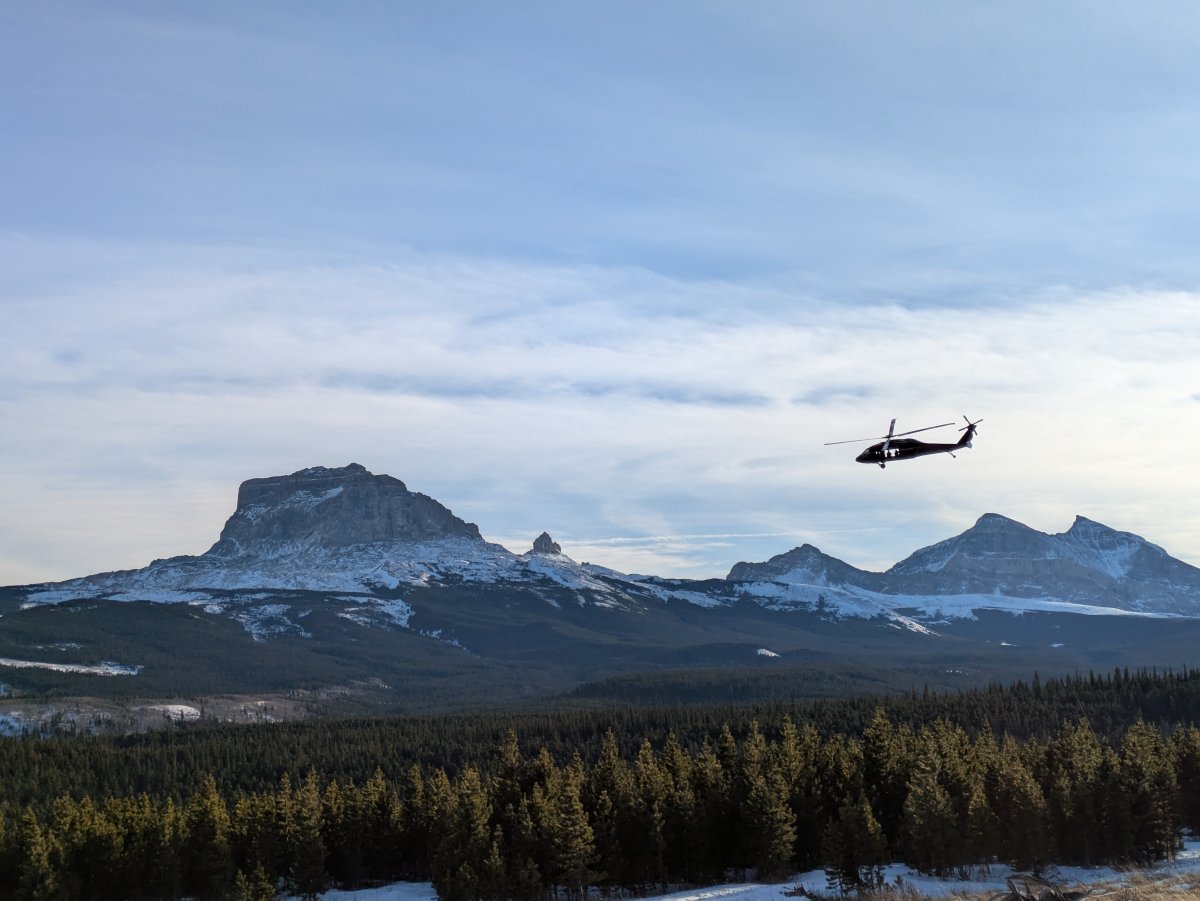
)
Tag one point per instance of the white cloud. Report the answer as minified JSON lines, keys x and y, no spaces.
{"x":610,"y":403}
{"x":606,"y":273}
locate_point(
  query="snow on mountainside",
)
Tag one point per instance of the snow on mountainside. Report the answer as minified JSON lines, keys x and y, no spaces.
{"x":333,"y":530}
{"x":997,"y":564}
{"x":1089,"y":564}
{"x":351,"y":532}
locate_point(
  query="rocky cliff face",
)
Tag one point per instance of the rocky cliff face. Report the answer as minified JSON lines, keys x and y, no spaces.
{"x":333,"y":508}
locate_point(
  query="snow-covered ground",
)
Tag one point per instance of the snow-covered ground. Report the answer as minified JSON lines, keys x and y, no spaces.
{"x":992,"y":880}
{"x":104,"y":668}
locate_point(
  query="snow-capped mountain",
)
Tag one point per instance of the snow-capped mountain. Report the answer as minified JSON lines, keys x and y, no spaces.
{"x":349,"y":530}
{"x":1088,"y":564}
{"x":997,"y":564}
{"x":343,"y":530}
{"x":339,"y":576}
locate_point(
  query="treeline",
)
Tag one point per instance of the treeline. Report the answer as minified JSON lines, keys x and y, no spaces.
{"x":526,"y":826}
{"x":251,"y":759}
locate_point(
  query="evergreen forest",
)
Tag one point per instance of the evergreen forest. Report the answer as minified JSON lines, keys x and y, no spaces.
{"x":1086,"y":770}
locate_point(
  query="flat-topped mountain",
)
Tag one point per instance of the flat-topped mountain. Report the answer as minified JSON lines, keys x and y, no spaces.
{"x":333,"y":508}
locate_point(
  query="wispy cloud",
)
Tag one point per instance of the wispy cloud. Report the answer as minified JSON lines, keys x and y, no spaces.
{"x":560,"y":270}
{"x":586,"y":415}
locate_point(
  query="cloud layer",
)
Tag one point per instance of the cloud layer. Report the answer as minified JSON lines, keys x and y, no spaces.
{"x":616,"y":270}
{"x":649,"y":423}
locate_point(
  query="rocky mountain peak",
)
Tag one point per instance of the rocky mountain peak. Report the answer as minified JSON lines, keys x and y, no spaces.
{"x":544,"y":544}
{"x":333,"y":508}
{"x":993,"y":538}
{"x":805,"y":564}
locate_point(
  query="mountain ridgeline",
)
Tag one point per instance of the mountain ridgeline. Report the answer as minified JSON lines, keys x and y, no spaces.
{"x":341,"y":578}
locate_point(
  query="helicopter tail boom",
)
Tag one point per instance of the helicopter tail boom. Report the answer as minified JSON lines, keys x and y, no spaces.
{"x":968,"y":432}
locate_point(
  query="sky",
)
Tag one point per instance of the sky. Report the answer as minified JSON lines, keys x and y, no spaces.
{"x":612,"y":270}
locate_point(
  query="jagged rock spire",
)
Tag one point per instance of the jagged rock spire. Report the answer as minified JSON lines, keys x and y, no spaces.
{"x":544,"y":544}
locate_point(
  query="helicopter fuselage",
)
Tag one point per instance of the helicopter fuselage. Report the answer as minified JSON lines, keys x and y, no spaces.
{"x":910,"y":448}
{"x":902,"y":449}
{"x":894,"y":448}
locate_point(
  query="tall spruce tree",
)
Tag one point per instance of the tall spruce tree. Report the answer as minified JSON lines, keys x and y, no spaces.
{"x":1185,"y":752}
{"x":36,"y":874}
{"x":769,"y":826}
{"x":306,"y":870}
{"x":1148,"y":780}
{"x":932,"y":839}
{"x":1021,"y":811}
{"x":887,"y":760}
{"x":206,"y":858}
{"x":854,"y":848}
{"x":463,"y":839}
{"x":573,"y":849}
{"x":1072,"y":775}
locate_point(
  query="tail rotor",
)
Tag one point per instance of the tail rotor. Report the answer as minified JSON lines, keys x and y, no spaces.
{"x":969,"y":430}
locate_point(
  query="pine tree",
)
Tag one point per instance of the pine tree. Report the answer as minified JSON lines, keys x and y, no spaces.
{"x":252,"y":833}
{"x":343,"y":831}
{"x":854,"y":848}
{"x":1185,"y":751}
{"x":610,"y":862}
{"x":573,"y":849}
{"x":716,"y":811}
{"x":523,"y":877}
{"x":798,"y":752}
{"x":1115,"y":819}
{"x":413,"y":845}
{"x":887,"y":755}
{"x":207,"y":861}
{"x":1021,"y":812}
{"x":683,"y":827}
{"x":768,"y":824}
{"x":88,"y":847}
{"x":772,"y":823}
{"x":37,"y":876}
{"x":645,"y":840}
{"x":463,"y":839}
{"x":982,"y":830}
{"x":255,"y":887}
{"x":1073,"y":762}
{"x":306,"y":870}
{"x":1148,"y":780}
{"x":930,"y":828}
{"x":381,"y":815}
{"x":491,"y":870}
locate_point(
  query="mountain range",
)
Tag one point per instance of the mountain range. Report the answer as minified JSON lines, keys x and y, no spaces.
{"x":337,"y":580}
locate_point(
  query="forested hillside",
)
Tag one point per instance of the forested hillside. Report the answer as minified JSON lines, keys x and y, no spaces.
{"x":1089,"y":770}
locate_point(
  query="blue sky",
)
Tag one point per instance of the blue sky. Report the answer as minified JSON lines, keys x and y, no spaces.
{"x":613,"y":270}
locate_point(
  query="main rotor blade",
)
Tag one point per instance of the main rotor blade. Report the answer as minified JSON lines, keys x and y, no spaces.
{"x":855,"y":440}
{"x":926,"y":429}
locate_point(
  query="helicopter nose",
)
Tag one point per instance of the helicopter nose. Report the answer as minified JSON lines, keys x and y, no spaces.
{"x":862,"y":458}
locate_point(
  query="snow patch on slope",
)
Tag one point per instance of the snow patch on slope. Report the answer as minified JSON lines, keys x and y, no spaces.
{"x":104,"y":668}
{"x":910,"y":611}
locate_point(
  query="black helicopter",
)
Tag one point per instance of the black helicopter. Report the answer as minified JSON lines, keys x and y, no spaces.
{"x":895,"y":447}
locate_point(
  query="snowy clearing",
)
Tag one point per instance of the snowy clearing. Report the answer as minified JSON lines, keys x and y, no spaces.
{"x":983,"y":881}
{"x":104,"y":668}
